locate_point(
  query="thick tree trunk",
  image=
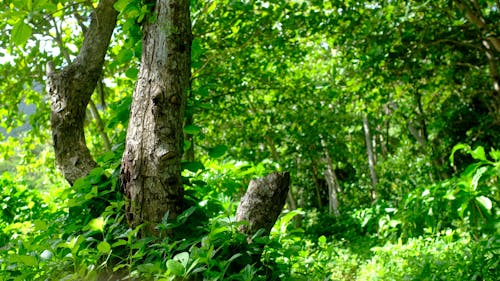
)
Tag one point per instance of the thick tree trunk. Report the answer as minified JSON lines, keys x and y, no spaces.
{"x":262,"y":203}
{"x":70,"y":90}
{"x":151,"y":164}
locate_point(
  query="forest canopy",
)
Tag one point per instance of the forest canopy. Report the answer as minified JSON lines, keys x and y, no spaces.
{"x":131,"y":129}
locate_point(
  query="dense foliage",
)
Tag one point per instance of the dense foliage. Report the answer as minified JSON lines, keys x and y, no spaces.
{"x":386,"y":113}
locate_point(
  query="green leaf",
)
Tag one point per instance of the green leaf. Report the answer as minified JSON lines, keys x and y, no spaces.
{"x":132,"y":73}
{"x":477,"y":176}
{"x":485,"y":201}
{"x":183,"y":258}
{"x":46,"y":255}
{"x":322,"y":239}
{"x":217,"y":151}
{"x":455,"y":148}
{"x":121,"y":4}
{"x":193,"y":166}
{"x":120,"y":242}
{"x":97,"y":224}
{"x":21,"y":32}
{"x":104,"y":247}
{"x":192,"y":129}
{"x":175,"y":267}
{"x":495,"y":154}
{"x":24,"y":259}
{"x":478,"y":153}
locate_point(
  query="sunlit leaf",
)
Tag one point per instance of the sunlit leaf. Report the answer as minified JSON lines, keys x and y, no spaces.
{"x":485,"y":201}
{"x":21,"y":32}
{"x":175,"y":267}
{"x":97,"y":224}
{"x":104,"y":247}
{"x":183,"y":258}
{"x":478,"y":153}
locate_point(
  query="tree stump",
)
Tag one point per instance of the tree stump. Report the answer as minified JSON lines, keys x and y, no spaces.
{"x":262,"y":203}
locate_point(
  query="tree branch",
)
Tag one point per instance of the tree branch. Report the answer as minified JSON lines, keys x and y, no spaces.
{"x":70,"y":90}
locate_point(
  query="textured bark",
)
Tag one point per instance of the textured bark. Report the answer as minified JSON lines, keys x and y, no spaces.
{"x":263,"y":202}
{"x":70,"y":90}
{"x":151,"y":164}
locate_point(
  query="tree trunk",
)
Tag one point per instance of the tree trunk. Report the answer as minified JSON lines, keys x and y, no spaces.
{"x":332,"y":182}
{"x":371,"y":158}
{"x":262,"y":203}
{"x":70,"y":90}
{"x":151,"y":164}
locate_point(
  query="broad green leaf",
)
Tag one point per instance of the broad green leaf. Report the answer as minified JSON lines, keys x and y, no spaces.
{"x":193,"y":166}
{"x":97,"y":224}
{"x":25,"y":259}
{"x":192,"y":129}
{"x":175,"y":267}
{"x":46,"y":255}
{"x":183,"y":258}
{"x":217,"y":151}
{"x":478,"y":153}
{"x":104,"y":247}
{"x":21,"y":32}
{"x":132,"y":73}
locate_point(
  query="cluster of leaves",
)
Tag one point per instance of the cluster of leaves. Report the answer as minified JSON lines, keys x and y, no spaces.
{"x":87,"y":242}
{"x":443,"y":258}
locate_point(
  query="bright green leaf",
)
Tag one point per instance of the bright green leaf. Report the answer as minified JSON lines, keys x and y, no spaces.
{"x":478,"y":153}
{"x":495,"y":154}
{"x":97,"y":224}
{"x":26,"y":260}
{"x":485,"y":201}
{"x":104,"y":247}
{"x":175,"y":267}
{"x":477,"y":176}
{"x":21,"y":32}
{"x":46,"y":255}
{"x":183,"y":258}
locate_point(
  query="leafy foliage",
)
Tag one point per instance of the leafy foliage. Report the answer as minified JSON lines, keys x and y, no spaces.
{"x":277,"y":85}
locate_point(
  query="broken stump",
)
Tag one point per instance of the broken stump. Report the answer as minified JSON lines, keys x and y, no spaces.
{"x":262,"y":203}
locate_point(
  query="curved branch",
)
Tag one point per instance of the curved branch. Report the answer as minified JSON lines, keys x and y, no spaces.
{"x":70,"y":90}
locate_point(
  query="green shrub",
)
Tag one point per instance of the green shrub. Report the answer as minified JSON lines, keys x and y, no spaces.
{"x":434,"y":259}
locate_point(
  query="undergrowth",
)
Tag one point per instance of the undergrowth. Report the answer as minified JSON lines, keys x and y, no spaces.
{"x":447,"y":231}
